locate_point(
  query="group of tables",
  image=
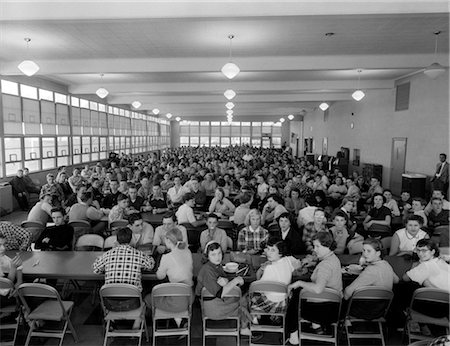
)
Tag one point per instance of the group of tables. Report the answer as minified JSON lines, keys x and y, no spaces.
{"x":77,"y":265}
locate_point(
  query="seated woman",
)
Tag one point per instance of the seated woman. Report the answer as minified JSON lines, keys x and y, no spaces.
{"x":294,"y":203}
{"x":177,"y":267}
{"x":379,"y":216}
{"x":337,"y":191}
{"x":340,"y":233}
{"x":279,"y":268}
{"x":212,"y":277}
{"x":377,"y":272}
{"x":391,"y":203}
{"x":405,"y":240}
{"x":253,"y":237}
{"x":220,"y":204}
{"x":327,"y":274}
{"x":348,"y":207}
{"x":291,"y":235}
{"x":430,"y":271}
{"x":10,"y":269}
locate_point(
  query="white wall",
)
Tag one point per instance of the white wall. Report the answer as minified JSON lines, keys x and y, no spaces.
{"x":425,"y":125}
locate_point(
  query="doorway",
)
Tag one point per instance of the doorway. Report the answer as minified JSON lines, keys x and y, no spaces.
{"x":266,"y":141}
{"x":398,"y":159}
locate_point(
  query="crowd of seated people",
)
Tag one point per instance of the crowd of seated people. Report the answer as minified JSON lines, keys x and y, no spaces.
{"x":263,"y":192}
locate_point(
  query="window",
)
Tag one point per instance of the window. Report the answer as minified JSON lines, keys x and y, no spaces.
{"x":194,"y":142}
{"x":45,"y":95}
{"x":48,"y":147}
{"x":93,"y":105}
{"x":245,"y":140}
{"x":28,"y":91}
{"x":256,"y":142}
{"x":32,"y":148}
{"x":84,"y":103}
{"x":10,"y":87}
{"x":75,"y":101}
{"x":204,"y":141}
{"x":224,"y":141}
{"x":63,"y":151}
{"x":215,"y":141}
{"x":13,"y":150}
{"x":76,"y":149}
{"x":235,"y":140}
{"x":184,"y":141}
{"x":60,"y":98}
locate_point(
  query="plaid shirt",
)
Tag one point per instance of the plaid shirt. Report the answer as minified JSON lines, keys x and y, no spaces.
{"x":249,"y":239}
{"x":123,"y":264}
{"x":17,"y":238}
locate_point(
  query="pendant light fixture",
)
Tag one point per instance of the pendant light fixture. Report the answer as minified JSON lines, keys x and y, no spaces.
{"x":358,"y":94}
{"x":155,"y":111}
{"x":324,"y":106}
{"x":230,"y":105}
{"x":169,"y":115}
{"x":178,"y":119}
{"x":282,"y":120}
{"x":230,"y":69}
{"x":28,"y":67}
{"x":229,"y":112}
{"x":435,"y":69}
{"x":136,"y":104}
{"x":229,"y":94}
{"x":102,"y":92}
{"x":291,"y":117}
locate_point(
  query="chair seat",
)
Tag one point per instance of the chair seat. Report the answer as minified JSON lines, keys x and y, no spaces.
{"x":50,"y":310}
{"x":162,"y":314}
{"x":356,"y":319}
{"x":8,"y":309}
{"x":265,"y":327}
{"x":124,"y":315}
{"x":421,"y":318}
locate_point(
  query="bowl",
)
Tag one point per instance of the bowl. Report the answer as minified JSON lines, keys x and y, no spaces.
{"x":231,"y":267}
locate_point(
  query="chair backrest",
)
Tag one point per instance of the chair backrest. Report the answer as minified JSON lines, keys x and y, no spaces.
{"x":375,"y":299}
{"x":110,"y":242}
{"x":33,"y":224}
{"x":37,"y":290}
{"x":225,"y":224}
{"x":327,"y":295}
{"x":429,"y":294}
{"x":171,"y":289}
{"x":6,"y":284}
{"x":234,"y":293}
{"x":89,"y":242}
{"x":117,"y":292}
{"x":118,"y":224}
{"x":80,"y":224}
{"x":267,"y":286}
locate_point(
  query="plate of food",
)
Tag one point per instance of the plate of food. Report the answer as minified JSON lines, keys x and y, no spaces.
{"x":231,"y":267}
{"x":353,"y":269}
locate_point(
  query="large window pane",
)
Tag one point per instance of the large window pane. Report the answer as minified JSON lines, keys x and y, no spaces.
{"x":184,"y":141}
{"x":276,"y":142}
{"x":95,"y":145}
{"x":245,"y":140}
{"x":204,"y":141}
{"x":76,"y":145}
{"x":32,"y":165}
{"x":28,"y":91}
{"x":256,"y":142}
{"x":235,"y":140}
{"x":63,"y":161}
{"x":224,"y":141}
{"x":215,"y":141}
{"x":194,"y":141}
{"x":48,"y":147}
{"x":11,"y":168}
{"x":32,"y":148}
{"x":13,"y":149}
{"x":103,"y":144}
{"x":48,"y":163}
{"x":63,"y":146}
{"x":8,"y":87}
{"x":86,"y":145}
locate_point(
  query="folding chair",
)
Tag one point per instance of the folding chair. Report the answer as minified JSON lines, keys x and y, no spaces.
{"x":257,"y":287}
{"x":440,"y":235}
{"x":117,"y":293}
{"x":386,"y":242}
{"x":35,"y":228}
{"x":90,"y":242}
{"x":375,"y":301}
{"x":10,"y":311}
{"x":115,"y":225}
{"x":110,"y":242}
{"x":334,"y":298}
{"x":51,"y":309}
{"x":435,"y":299}
{"x":171,"y":290}
{"x":220,"y":331}
{"x":80,"y":227}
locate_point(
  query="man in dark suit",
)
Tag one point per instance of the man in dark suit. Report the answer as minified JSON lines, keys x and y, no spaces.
{"x":440,"y":179}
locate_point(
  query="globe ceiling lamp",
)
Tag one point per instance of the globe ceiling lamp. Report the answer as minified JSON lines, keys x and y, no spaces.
{"x":229,"y":112}
{"x":136,"y":104}
{"x":230,"y":69}
{"x":102,"y":92}
{"x":435,"y":69}
{"x":169,"y":115}
{"x":28,"y":67}
{"x":324,"y":106}
{"x":229,"y":94}
{"x":229,"y":105}
{"x":291,"y":117}
{"x":155,"y":111}
{"x":358,"y":94}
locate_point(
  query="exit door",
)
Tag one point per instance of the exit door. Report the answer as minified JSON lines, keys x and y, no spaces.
{"x":398,"y":159}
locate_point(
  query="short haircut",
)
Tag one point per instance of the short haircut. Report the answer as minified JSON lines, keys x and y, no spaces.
{"x":134,"y":217}
{"x":309,"y":179}
{"x":285,"y":215}
{"x":379,"y":194}
{"x":245,"y":197}
{"x":131,"y":186}
{"x":121,"y":197}
{"x":86,"y":196}
{"x":187,"y":197}
{"x":170,"y":215}
{"x":340,"y":214}
{"x":253,"y":212}
{"x":417,"y":218}
{"x":57,"y":210}
{"x":376,"y":244}
{"x":211,"y":246}
{"x":124,"y":235}
{"x":443,"y":154}
{"x":294,"y":189}
{"x":279,"y":244}
{"x":276,"y":198}
{"x":345,"y":200}
{"x":376,"y":178}
{"x":420,"y":200}
{"x":50,"y":175}
{"x":436,"y":199}
{"x":325,"y":239}
{"x":213,"y":216}
{"x":429,"y":244}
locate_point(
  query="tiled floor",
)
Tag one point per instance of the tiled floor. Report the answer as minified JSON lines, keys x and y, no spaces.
{"x":87,"y":320}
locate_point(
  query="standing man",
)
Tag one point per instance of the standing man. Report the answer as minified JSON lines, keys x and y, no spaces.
{"x":20,"y":190}
{"x":440,"y":179}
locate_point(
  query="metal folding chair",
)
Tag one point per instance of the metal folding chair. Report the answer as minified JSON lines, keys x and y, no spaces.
{"x":208,"y":330}
{"x":435,"y":299}
{"x":90,"y":242}
{"x":376,"y":302}
{"x":10,"y":311}
{"x":171,"y":290}
{"x":35,"y":228}
{"x":52,"y":308}
{"x":327,"y":296}
{"x":111,"y":294}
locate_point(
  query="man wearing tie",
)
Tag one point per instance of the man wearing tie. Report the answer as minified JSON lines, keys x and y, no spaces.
{"x":440,"y":179}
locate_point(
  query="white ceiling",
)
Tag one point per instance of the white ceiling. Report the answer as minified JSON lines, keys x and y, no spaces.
{"x":169,"y":54}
